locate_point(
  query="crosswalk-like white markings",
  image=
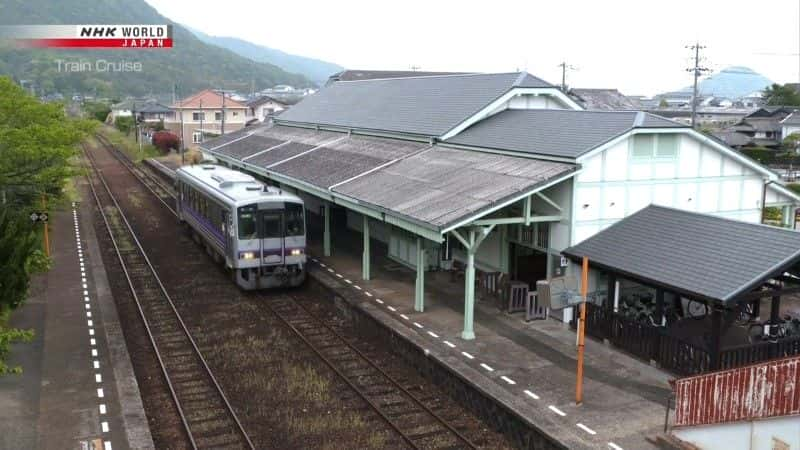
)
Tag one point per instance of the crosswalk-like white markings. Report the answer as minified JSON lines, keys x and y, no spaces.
{"x":404,"y":316}
{"x":348,"y":281}
{"x":96,"y":364}
{"x":94,"y":352}
{"x":92,"y":342}
{"x":106,"y":445}
{"x":586,"y":429}
{"x":91,"y":331}
{"x":557,"y":411}
{"x":98,"y":378}
{"x":417,"y":324}
{"x":391,"y":308}
{"x":357,"y":287}
{"x":379,"y":301}
{"x":100,"y":392}
{"x":487,"y":367}
{"x":368,"y":294}
{"x":339,"y":275}
{"x":330,"y":270}
{"x":614,"y":446}
{"x":467,"y":355}
{"x":104,"y":426}
{"x":102,"y":408}
{"x":449,"y":344}
{"x":531,"y":394}
{"x":433,"y":334}
{"x":89,"y":323}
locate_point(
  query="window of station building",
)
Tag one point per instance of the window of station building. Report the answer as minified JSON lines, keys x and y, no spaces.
{"x":654,"y":146}
{"x":197,"y":137}
{"x":198,"y":116}
{"x":218,"y":116}
{"x":247,"y":222}
{"x":294,"y":219}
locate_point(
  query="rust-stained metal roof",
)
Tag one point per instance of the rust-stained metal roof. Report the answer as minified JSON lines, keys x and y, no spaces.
{"x":429,"y":185}
{"x":759,"y":391}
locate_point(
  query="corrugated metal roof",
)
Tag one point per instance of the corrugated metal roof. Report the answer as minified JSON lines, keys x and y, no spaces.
{"x":698,"y":255}
{"x":759,"y":391}
{"x":433,"y":186}
{"x":555,"y":132}
{"x":429,"y":105}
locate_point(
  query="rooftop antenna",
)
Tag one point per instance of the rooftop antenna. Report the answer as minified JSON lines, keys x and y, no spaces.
{"x":564,"y":67}
{"x":415,"y":67}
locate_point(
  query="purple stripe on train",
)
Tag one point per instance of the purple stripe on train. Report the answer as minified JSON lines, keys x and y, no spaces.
{"x":208,"y":226}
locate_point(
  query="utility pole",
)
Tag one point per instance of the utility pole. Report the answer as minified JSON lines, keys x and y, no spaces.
{"x":223,"y":111}
{"x":564,"y":67}
{"x":183,"y":134}
{"x":202,"y":116}
{"x":697,"y":71}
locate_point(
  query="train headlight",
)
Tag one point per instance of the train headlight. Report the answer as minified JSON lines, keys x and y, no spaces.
{"x":247,"y":255}
{"x":297,"y":251}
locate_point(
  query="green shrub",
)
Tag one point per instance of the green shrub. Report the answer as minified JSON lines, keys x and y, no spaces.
{"x":124,"y":124}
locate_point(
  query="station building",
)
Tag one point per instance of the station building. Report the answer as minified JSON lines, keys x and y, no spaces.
{"x":490,"y":172}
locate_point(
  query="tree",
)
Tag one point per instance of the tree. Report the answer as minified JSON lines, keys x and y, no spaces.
{"x":791,"y":142}
{"x":781,"y":95}
{"x":124,"y":124}
{"x":663,"y":104}
{"x":37,"y":142}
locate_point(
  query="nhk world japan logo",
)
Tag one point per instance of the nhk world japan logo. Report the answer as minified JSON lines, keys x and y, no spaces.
{"x":89,"y":36}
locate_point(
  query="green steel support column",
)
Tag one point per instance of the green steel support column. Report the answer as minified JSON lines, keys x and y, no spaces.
{"x":326,"y":236}
{"x":419,"y":296}
{"x":469,"y":290}
{"x":365,"y":257}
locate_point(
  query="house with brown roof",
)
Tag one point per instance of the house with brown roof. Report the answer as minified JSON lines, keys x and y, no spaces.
{"x":205,"y":114}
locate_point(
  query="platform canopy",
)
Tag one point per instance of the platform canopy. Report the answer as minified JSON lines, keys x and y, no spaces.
{"x":426,"y":189}
{"x":699,"y":256}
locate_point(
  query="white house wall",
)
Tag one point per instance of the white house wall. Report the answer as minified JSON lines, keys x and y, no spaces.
{"x":766,"y":434}
{"x":700,"y":178}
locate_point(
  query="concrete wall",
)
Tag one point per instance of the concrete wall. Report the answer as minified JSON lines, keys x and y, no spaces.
{"x":768,"y":434}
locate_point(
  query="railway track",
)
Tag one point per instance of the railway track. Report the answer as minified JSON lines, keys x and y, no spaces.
{"x":206,"y":414}
{"x":417,"y":424}
{"x":415,"y":419}
{"x":164,"y":193}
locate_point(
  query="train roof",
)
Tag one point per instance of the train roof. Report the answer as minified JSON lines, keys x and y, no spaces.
{"x":234,"y":186}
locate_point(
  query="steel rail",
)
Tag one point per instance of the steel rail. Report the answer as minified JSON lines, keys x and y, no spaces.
{"x":131,"y":166}
{"x":184,"y":329}
{"x":408,"y":439}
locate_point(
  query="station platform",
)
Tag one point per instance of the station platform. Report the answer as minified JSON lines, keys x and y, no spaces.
{"x":528,"y":368}
{"x":78,"y":388}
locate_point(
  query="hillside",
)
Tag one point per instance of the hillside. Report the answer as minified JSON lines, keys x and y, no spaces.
{"x":316,"y":70}
{"x":192,"y":64}
{"x":732,"y":82}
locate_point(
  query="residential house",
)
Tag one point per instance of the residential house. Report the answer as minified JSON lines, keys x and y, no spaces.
{"x":206,"y":113}
{"x":764,"y":125}
{"x":121,"y":109}
{"x":152,"y":113}
{"x":263,"y":108}
{"x":604,"y":100}
{"x":791,"y":124}
{"x":499,"y":172}
{"x":355,"y":75}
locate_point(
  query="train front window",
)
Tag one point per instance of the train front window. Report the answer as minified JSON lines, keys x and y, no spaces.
{"x":247,"y":222}
{"x":294,"y":219}
{"x":271,"y":224}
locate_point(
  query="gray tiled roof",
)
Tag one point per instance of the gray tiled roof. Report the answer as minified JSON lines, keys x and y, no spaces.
{"x":792,"y":119}
{"x":699,"y":255}
{"x":428,"y":105}
{"x":428,"y":185}
{"x":555,"y":132}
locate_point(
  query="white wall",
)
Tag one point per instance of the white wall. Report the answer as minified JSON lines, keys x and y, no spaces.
{"x":700,"y":178}
{"x":789,"y":129}
{"x":758,"y":435}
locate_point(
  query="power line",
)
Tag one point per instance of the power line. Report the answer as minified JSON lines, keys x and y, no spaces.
{"x":697,"y":71}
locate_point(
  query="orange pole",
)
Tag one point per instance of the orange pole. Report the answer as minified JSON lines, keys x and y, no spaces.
{"x":46,"y":236}
{"x":582,"y":331}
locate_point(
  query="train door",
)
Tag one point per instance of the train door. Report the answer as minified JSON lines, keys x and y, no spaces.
{"x":272,"y":242}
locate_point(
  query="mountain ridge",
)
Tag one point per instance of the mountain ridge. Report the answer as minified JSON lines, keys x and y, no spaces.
{"x":191,"y":64}
{"x":316,"y":70}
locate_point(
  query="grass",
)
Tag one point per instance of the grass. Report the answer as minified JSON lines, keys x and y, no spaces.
{"x":129,"y":145}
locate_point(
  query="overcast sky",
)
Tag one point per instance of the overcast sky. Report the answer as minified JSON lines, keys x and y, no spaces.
{"x":635,"y":46}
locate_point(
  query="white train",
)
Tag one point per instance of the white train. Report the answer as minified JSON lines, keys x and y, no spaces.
{"x":258,"y":230}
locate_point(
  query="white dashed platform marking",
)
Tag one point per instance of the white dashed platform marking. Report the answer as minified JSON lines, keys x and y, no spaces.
{"x":557,"y":411}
